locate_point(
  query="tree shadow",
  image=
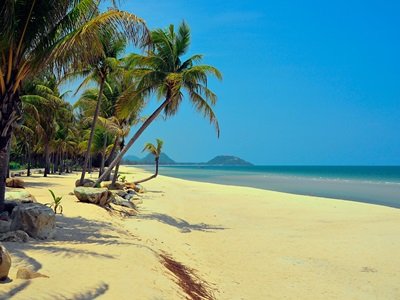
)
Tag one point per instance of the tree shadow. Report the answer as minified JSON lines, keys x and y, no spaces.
{"x":39,"y":184}
{"x":84,"y":231}
{"x":181,"y":224}
{"x":89,"y":294}
{"x":70,"y":232}
{"x":15,"y":290}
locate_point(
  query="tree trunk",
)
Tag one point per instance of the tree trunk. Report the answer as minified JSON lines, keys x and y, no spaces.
{"x":103,"y":155}
{"x":8,"y":158}
{"x":113,"y":149}
{"x":115,"y":177}
{"x":3,"y":171}
{"x":142,"y":128}
{"x":46,"y":159}
{"x":28,"y":173}
{"x":10,"y":112}
{"x":152,"y":176}
{"x":96,"y":114}
{"x":60,"y":165}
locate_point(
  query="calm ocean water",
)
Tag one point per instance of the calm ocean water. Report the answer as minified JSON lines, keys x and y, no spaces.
{"x":370,"y":184}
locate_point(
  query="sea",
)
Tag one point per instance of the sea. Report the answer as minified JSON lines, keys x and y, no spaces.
{"x":370,"y":184}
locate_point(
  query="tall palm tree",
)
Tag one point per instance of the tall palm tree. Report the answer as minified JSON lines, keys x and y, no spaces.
{"x":113,"y":46}
{"x":156,"y":151}
{"x":36,"y":34}
{"x":162,"y":71}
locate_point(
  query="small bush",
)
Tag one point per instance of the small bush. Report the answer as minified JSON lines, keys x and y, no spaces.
{"x":14,"y":165}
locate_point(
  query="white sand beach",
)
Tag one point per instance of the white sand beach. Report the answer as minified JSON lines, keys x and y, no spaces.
{"x":245,"y":243}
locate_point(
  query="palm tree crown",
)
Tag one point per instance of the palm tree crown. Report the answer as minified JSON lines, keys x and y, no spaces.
{"x":154,"y":149}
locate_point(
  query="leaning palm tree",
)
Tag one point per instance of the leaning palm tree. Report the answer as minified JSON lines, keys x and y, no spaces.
{"x":36,"y":34}
{"x":162,"y":71}
{"x":156,"y":151}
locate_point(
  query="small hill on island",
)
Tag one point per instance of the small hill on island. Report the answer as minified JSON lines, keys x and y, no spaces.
{"x":228,"y":160}
{"x":147,"y":160}
{"x":164,"y":159}
{"x":132,"y":158}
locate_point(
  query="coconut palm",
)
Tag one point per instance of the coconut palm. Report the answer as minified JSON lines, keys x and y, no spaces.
{"x":114,"y":88}
{"x":48,"y":103}
{"x":113,"y":46}
{"x":156,"y":151}
{"x":36,"y":34}
{"x":162,"y":71}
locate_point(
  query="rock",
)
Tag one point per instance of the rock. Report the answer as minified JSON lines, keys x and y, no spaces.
{"x":139,"y":189}
{"x":121,"y":193}
{"x":131,"y":191}
{"x":136,"y":202}
{"x":130,"y":185}
{"x":19,"y":195}
{"x":35,"y":219}
{"x":122,"y":202}
{"x":5,"y":226}
{"x":5,"y":263}
{"x":15,"y":183}
{"x":99,"y":196}
{"x":86,"y":183}
{"x":108,"y":184}
{"x":131,"y":197}
{"x":71,"y":193}
{"x":24,"y":273}
{"x":18,"y":236}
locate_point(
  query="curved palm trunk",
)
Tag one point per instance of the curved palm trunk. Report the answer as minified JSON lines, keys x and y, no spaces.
{"x":138,"y":133}
{"x":152,"y":176}
{"x":96,"y":114}
{"x":115,"y":177}
{"x":110,"y":157}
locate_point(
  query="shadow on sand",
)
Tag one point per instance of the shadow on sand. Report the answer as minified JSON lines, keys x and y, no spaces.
{"x":181,"y":224}
{"x":72,"y":231}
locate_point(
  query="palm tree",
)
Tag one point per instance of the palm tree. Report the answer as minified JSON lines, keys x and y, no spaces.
{"x":36,"y":34}
{"x":115,"y":86}
{"x":113,"y":46}
{"x":156,"y":151}
{"x":48,"y":103}
{"x":162,"y":71}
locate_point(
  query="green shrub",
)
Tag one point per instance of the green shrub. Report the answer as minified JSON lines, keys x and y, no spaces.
{"x":14,"y":165}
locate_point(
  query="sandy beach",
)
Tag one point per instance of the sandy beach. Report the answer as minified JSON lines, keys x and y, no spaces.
{"x":245,"y":243}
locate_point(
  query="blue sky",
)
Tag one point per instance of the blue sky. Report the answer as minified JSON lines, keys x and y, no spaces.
{"x":305,"y":82}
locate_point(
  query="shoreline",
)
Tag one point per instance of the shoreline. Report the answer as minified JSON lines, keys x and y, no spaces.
{"x":357,"y":190}
{"x":247,"y":243}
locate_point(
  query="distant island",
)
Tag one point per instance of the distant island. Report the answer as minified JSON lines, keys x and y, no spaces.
{"x":147,"y":160}
{"x":228,"y":160}
{"x":220,"y":160}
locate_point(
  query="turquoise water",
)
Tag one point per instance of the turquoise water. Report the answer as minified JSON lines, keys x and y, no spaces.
{"x":370,"y":184}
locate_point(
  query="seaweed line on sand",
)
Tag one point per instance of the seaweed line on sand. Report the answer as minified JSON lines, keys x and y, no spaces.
{"x":194,"y":287}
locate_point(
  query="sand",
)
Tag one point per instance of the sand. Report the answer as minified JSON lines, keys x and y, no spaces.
{"x":245,"y":243}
